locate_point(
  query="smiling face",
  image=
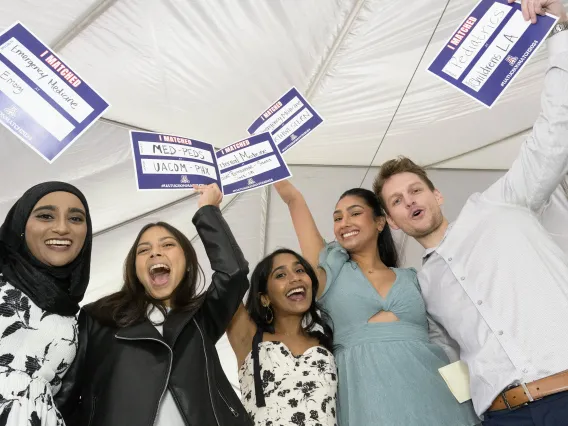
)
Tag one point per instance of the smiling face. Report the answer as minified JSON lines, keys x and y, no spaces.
{"x":160,"y":262}
{"x":411,"y":205}
{"x":56,"y":229}
{"x":289,"y":287}
{"x":355,"y":225}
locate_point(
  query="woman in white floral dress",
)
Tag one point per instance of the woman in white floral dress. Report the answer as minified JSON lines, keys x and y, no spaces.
{"x":45,"y":254}
{"x":284,"y":347}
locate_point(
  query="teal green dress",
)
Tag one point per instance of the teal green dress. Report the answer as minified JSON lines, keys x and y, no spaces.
{"x":388,"y":372}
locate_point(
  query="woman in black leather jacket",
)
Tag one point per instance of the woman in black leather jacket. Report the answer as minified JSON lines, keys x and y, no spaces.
{"x":135,"y":368}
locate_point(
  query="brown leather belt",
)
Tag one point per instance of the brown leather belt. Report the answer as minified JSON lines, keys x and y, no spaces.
{"x":517,"y":396}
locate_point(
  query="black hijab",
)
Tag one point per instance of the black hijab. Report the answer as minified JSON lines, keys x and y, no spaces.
{"x":55,"y":289}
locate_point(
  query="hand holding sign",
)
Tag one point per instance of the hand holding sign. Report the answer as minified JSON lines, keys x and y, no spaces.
{"x":209,"y":195}
{"x":532,"y":8}
{"x":492,"y":45}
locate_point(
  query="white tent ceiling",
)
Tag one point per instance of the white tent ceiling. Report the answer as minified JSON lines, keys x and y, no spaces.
{"x":205,"y":69}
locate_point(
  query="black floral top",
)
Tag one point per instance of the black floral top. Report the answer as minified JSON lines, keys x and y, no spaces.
{"x":298,"y":390}
{"x":36,"y":349}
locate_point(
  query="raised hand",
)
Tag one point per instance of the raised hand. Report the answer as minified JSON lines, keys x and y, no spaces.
{"x":532,"y":8}
{"x":209,"y":195}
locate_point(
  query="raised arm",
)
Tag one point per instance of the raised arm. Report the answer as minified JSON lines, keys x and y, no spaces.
{"x":240,"y":332}
{"x":229,"y":282}
{"x":543,"y":160}
{"x":555,"y":215}
{"x":309,"y":237}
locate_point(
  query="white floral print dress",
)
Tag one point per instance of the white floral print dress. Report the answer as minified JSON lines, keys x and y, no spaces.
{"x":36,"y":349}
{"x":298,"y":390}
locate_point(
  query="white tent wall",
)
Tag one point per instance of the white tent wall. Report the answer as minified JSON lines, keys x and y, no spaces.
{"x":206,"y":69}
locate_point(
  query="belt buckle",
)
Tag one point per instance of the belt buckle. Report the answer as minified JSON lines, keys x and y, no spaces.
{"x":505,"y":400}
{"x":524,"y":386}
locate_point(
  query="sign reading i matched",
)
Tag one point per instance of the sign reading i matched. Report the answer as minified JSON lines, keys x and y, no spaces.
{"x":489,"y":49}
{"x":288,"y":120}
{"x":250,"y":164}
{"x":43,"y":101}
{"x":172,"y":162}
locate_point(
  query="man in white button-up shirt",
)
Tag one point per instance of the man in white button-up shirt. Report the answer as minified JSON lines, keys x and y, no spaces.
{"x":495,"y":279}
{"x":555,"y":216}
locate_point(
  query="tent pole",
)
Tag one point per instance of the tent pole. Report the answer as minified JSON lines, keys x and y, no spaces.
{"x":125,"y":125}
{"x":564,"y":185}
{"x":91,"y":15}
{"x":405,"y":91}
{"x":338,"y":42}
{"x":223,"y":209}
{"x":264,"y":209}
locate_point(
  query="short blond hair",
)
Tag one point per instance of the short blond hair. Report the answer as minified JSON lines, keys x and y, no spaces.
{"x":394,"y":167}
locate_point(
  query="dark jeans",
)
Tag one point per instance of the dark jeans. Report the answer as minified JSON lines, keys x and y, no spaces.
{"x":549,"y":411}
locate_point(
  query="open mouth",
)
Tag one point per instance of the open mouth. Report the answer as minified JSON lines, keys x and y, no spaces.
{"x":349,"y":234}
{"x":159,"y":273}
{"x":58,"y":245}
{"x":417,"y":213}
{"x":297,"y":294}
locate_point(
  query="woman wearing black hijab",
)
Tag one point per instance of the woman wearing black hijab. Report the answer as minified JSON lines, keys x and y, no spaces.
{"x":45,"y":255}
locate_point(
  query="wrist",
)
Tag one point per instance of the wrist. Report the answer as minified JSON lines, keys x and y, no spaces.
{"x":206,"y":204}
{"x":560,"y":27}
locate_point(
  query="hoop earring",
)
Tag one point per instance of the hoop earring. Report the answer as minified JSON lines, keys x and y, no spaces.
{"x":269,"y":311}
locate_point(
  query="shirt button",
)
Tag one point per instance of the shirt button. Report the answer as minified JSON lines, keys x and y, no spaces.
{"x":525,"y":370}
{"x":500,"y":332}
{"x":449,"y":259}
{"x":462,"y":278}
{"x":479,"y":302}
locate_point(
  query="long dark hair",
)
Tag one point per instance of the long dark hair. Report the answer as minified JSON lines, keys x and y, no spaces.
{"x":315,"y":316}
{"x":385,"y":243}
{"x":129,"y":305}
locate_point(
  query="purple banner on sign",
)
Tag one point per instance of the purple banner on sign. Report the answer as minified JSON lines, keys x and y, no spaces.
{"x":489,"y":49}
{"x":172,"y":162}
{"x":251,"y":163}
{"x":288,"y":120}
{"x":43,"y":101}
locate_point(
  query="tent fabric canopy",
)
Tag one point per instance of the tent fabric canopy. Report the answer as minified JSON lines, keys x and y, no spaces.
{"x":206,"y":69}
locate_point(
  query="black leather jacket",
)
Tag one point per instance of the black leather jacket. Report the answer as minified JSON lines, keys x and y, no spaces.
{"x":119,"y":376}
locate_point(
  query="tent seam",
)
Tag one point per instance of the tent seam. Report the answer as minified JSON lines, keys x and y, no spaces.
{"x":90,"y":16}
{"x":337,"y":43}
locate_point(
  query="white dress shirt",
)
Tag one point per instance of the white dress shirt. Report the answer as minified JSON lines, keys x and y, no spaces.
{"x":555,"y":216}
{"x":497,"y":282}
{"x":168,"y":412}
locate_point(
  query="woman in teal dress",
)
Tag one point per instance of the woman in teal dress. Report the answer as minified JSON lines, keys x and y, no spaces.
{"x":388,"y":368}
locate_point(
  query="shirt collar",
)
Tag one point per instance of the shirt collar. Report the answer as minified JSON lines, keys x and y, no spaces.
{"x":155,"y":315}
{"x":428,"y":252}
